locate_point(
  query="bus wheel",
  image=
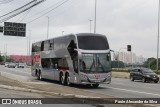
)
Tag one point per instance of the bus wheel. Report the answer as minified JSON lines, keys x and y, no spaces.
{"x":95,"y":85}
{"x":62,"y":79}
{"x":68,"y":80}
{"x":39,"y":75}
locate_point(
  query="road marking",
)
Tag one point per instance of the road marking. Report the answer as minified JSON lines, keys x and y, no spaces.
{"x":134,"y":91}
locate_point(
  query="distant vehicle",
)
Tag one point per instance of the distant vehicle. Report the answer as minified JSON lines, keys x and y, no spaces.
{"x":2,"y":63}
{"x":12,"y":65}
{"x":73,"y":59}
{"x":20,"y":65}
{"x":6,"y":64}
{"x":143,"y":74}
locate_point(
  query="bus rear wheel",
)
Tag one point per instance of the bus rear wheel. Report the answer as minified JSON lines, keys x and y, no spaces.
{"x":62,"y":79}
{"x":68,"y":80}
{"x":39,"y":75}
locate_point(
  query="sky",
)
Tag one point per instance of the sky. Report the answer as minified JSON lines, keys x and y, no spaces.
{"x":124,"y":22}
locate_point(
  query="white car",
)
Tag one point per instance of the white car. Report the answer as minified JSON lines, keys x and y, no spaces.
{"x":6,"y":64}
{"x":20,"y":65}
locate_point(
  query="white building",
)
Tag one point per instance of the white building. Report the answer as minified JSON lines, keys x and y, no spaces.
{"x":129,"y":58}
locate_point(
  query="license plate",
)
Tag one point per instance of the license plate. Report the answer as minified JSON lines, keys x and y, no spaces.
{"x":97,"y":81}
{"x":154,"y":78}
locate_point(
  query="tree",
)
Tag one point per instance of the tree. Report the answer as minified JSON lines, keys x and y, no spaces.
{"x":1,"y":59}
{"x":117,"y":64}
{"x":152,"y":63}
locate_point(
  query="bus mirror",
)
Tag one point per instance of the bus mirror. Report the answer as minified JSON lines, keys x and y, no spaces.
{"x":108,"y":57}
{"x":111,"y":50}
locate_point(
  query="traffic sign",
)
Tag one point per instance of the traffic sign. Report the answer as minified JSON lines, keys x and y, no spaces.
{"x":15,"y":29}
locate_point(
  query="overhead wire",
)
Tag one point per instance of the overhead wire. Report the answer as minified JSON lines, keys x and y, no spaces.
{"x":18,"y":8}
{"x":48,"y":12}
{"x":20,"y":19}
{"x":30,"y":5}
{"x":45,"y":9}
{"x":5,"y":1}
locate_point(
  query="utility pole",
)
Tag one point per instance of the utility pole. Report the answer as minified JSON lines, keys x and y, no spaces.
{"x":95,"y":16}
{"x":27,"y":46}
{"x":47,"y":27}
{"x":29,"y":42}
{"x":158,"y":35}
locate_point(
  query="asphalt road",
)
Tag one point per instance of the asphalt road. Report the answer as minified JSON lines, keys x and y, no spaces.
{"x":123,"y":88}
{"x":7,"y":94}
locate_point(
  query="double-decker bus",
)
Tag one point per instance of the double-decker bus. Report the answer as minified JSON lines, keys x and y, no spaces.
{"x":82,"y":58}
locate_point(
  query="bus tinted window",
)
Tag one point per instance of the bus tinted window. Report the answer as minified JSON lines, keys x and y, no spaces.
{"x":91,"y":42}
{"x":57,"y":63}
{"x":36,"y":47}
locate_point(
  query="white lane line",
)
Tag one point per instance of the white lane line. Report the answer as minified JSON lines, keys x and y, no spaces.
{"x":134,"y":91}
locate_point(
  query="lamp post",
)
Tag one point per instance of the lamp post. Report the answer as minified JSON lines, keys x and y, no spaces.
{"x":118,"y":55}
{"x":47,"y":27}
{"x":29,"y":40}
{"x":158,"y":35}
{"x":95,"y":16}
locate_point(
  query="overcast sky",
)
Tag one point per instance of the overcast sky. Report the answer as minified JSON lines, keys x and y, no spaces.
{"x":124,"y":22}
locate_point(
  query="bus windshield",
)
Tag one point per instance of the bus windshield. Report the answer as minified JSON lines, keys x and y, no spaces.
{"x":95,"y":63}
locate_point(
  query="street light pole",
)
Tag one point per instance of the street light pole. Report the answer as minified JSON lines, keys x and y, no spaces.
{"x":29,"y":42}
{"x":27,"y":46}
{"x":90,"y":24}
{"x":158,"y":35}
{"x":48,"y":27}
{"x":118,"y":55}
{"x":95,"y":16}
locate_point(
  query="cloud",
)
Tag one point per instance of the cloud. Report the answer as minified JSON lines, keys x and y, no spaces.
{"x":122,"y":21}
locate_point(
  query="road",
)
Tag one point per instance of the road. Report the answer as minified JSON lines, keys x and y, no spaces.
{"x":7,"y":94}
{"x":123,"y":88}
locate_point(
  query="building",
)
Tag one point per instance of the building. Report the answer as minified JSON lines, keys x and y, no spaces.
{"x":129,"y":58}
{"x":20,"y":58}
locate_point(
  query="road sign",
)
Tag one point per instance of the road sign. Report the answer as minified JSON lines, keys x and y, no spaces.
{"x":1,"y":29}
{"x":15,"y":29}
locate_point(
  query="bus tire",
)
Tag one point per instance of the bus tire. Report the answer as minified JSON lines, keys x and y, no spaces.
{"x":68,"y":80}
{"x":39,"y":75}
{"x":62,"y":79}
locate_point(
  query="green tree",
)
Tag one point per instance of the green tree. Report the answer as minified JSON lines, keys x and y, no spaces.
{"x":1,"y":59}
{"x":117,"y":64}
{"x":152,"y":63}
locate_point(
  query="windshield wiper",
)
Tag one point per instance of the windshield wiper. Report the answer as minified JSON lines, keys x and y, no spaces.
{"x":101,"y":66}
{"x":93,"y":64}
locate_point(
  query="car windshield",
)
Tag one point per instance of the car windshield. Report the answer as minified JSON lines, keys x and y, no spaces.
{"x":146,"y":70}
{"x":95,"y":63}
